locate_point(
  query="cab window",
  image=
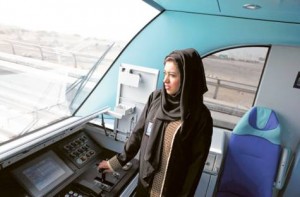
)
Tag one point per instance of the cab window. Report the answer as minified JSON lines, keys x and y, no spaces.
{"x":233,"y":78}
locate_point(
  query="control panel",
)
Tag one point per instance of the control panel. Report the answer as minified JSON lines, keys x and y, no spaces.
{"x":79,"y":149}
{"x":95,"y":183}
{"x":83,"y":152}
{"x":67,"y":168}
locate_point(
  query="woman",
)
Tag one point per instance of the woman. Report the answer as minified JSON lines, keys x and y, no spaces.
{"x":173,"y":133}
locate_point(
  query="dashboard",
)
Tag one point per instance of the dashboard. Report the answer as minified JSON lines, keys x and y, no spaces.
{"x":66,"y":168}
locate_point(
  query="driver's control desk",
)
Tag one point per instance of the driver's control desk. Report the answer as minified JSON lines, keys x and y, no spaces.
{"x":66,"y":168}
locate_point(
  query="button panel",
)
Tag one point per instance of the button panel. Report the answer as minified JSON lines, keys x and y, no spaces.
{"x":80,"y":149}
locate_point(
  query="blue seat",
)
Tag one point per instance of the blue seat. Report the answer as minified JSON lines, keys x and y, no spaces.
{"x":252,"y":157}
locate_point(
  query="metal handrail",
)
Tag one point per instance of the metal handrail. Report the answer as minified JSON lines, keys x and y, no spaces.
{"x":229,"y":85}
{"x":44,"y":49}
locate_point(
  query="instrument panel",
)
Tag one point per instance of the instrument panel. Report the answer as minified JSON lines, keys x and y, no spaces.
{"x":67,"y":168}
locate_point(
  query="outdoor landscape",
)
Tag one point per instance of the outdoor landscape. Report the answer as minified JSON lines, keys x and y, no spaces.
{"x":232,"y":80}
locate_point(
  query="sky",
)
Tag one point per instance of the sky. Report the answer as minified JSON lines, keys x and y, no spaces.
{"x":85,"y":17}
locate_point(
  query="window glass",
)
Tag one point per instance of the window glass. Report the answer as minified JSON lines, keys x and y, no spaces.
{"x":53,"y":53}
{"x":233,"y":77}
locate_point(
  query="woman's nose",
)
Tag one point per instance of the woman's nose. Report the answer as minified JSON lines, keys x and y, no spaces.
{"x":165,"y":79}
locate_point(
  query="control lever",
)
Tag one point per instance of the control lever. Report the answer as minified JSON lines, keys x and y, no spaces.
{"x":103,"y":175}
{"x":101,"y":171}
{"x":103,"y":183}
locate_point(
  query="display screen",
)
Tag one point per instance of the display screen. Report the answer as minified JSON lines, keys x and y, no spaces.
{"x":42,"y":174}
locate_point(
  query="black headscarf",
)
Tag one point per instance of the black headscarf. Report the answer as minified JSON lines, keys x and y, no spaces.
{"x":193,"y":85}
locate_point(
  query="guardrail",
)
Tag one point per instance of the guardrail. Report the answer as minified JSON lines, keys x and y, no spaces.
{"x":44,"y":49}
{"x":220,"y":83}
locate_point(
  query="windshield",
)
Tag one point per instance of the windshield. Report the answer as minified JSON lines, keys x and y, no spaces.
{"x":53,"y":53}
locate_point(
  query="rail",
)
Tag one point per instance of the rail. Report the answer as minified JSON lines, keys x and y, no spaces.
{"x":225,"y":107}
{"x":44,"y":49}
{"x":220,"y":83}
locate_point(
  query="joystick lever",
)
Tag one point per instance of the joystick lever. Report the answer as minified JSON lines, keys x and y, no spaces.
{"x":101,"y":180}
{"x":102,"y":174}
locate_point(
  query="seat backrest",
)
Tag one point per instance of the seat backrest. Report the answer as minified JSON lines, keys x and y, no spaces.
{"x":252,"y":156}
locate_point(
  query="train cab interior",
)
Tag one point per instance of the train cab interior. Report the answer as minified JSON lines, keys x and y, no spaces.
{"x":76,"y":75}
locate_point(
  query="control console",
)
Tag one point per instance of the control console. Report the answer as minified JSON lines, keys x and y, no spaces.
{"x":68,"y":168}
{"x":79,"y":149}
{"x":95,"y":183}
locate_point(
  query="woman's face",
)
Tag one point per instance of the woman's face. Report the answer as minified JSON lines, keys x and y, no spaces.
{"x":171,"y":78}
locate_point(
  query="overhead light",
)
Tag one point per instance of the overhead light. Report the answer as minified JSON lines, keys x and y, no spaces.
{"x":251,"y":6}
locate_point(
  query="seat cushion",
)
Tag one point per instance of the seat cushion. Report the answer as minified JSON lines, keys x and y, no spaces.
{"x":250,"y":167}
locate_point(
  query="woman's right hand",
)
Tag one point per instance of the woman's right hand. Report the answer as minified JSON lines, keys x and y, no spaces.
{"x":104,"y":166}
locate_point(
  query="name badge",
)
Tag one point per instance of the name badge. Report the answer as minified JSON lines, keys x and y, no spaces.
{"x":149,"y":129}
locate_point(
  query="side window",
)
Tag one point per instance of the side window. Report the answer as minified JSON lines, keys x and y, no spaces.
{"x":233,"y":77}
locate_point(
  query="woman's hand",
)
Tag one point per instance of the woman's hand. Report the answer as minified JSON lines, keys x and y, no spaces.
{"x":104,"y":166}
